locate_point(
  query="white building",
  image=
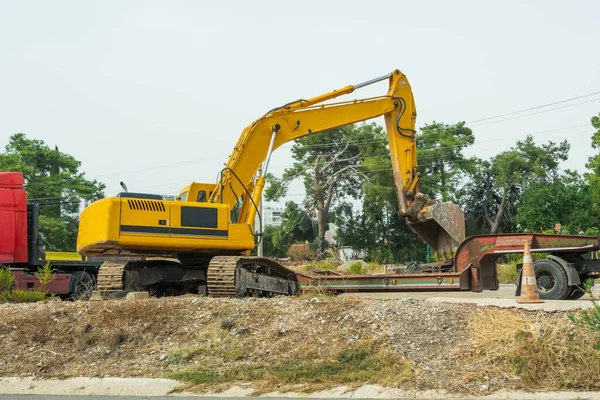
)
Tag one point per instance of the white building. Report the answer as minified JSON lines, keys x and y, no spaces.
{"x":271,"y":216}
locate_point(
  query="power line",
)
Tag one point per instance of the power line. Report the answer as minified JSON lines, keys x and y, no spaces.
{"x":66,"y":180}
{"x":534,"y":108}
{"x":535,"y":113}
{"x":429,"y":158}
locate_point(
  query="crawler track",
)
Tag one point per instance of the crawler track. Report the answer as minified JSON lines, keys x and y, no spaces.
{"x":221,"y":276}
{"x":225,"y":272}
{"x":110,"y":278}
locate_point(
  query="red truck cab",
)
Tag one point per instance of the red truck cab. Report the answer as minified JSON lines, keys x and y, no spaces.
{"x":13,"y":219}
{"x":22,"y":254}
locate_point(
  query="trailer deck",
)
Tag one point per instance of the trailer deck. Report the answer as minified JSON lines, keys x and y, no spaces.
{"x":473,"y":267}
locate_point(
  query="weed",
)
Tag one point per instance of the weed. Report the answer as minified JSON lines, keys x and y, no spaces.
{"x":45,"y":273}
{"x":348,"y":356}
{"x":85,"y":341}
{"x":234,"y":354}
{"x":22,"y":296}
{"x":179,"y":356}
{"x":358,"y":365}
{"x":227,"y":324}
{"x":197,"y":377}
{"x":9,"y":294}
{"x":356,"y":267}
{"x":508,"y":273}
{"x":588,"y":319}
{"x":6,"y":280}
{"x":119,"y":338}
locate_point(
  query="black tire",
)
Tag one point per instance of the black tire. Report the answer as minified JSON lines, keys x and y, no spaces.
{"x":82,"y":286}
{"x":551,"y":280}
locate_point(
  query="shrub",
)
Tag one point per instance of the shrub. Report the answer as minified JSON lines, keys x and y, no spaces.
{"x":589,"y":319}
{"x":6,"y":280}
{"x":9,"y":294}
{"x":22,"y":296}
{"x":356,"y":267}
{"x":45,"y":273}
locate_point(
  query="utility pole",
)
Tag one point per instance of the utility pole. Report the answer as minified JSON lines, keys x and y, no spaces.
{"x":260,"y":211}
{"x":261,"y":172}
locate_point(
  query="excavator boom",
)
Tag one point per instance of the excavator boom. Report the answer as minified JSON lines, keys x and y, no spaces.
{"x":441,"y":225}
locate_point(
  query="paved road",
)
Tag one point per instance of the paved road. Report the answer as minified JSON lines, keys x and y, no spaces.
{"x":43,"y":397}
{"x":504,"y":298}
{"x":505,"y":292}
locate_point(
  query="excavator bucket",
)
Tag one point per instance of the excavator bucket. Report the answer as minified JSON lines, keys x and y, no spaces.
{"x":441,"y":226}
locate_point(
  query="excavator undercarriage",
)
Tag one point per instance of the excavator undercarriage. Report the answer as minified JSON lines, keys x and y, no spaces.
{"x":219,"y":276}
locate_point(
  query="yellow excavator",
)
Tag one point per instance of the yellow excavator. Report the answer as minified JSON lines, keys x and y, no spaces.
{"x":201,"y":242}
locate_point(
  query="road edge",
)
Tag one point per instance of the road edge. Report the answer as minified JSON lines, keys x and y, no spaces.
{"x":154,"y":387}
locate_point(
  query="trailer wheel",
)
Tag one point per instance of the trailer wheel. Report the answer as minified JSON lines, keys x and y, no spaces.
{"x":82,"y":285}
{"x":551,"y":280}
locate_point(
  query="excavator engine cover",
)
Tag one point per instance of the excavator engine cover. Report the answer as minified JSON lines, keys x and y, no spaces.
{"x":441,"y":226}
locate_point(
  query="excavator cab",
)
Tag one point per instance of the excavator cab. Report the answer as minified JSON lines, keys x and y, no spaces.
{"x":196,"y":192}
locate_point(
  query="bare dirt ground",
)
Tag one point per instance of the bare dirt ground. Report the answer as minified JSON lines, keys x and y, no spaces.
{"x":300,"y":343}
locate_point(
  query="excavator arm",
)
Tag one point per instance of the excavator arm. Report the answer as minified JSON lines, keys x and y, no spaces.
{"x":441,"y":225}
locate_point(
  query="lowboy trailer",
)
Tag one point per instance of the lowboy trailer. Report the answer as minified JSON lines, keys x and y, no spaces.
{"x":566,"y":263}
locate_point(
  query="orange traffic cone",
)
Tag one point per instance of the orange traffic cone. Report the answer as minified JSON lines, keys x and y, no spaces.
{"x":529,"y":289}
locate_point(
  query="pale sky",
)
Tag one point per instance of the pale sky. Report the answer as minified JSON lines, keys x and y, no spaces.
{"x":156,"y":93}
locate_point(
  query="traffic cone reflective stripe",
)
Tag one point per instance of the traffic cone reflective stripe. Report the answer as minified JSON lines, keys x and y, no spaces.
{"x":529,"y":289}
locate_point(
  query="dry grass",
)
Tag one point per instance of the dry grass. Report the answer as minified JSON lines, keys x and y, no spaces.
{"x":80,"y":338}
{"x":540,"y":351}
{"x":280,"y":343}
{"x":319,"y":265}
{"x":281,"y":357}
{"x":273,"y":343}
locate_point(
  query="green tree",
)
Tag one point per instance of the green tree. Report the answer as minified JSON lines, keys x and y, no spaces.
{"x":495,"y":187}
{"x":53,"y":180}
{"x":275,"y":241}
{"x":593,"y":177}
{"x":565,"y":200}
{"x":377,"y":227}
{"x":297,"y":224}
{"x":441,"y":160}
{"x":594,"y":161}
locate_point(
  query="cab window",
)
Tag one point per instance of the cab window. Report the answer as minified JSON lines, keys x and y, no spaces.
{"x":183,"y":196}
{"x":201,"y":196}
